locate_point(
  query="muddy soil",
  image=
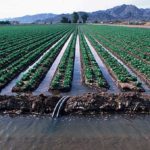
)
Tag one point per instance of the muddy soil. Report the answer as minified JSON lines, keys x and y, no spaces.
{"x":99,"y":103}
{"x":27,"y":104}
{"x":88,"y":104}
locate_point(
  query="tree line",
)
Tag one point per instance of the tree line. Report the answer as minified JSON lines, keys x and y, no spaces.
{"x":75,"y":18}
{"x":5,"y":22}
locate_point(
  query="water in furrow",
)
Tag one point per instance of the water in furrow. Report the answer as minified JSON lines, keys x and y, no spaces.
{"x":44,"y":85}
{"x":103,"y":68}
{"x":144,"y":85}
{"x":8,"y":89}
{"x":77,"y":86}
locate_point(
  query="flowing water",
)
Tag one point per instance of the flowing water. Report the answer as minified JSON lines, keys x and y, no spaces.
{"x":115,"y":132}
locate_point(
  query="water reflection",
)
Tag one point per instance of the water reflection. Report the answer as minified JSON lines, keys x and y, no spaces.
{"x":45,"y":84}
{"x":106,"y":74}
{"x":144,"y":85}
{"x":71,"y":133}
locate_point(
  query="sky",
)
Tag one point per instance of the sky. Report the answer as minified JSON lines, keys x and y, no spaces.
{"x":16,"y":8}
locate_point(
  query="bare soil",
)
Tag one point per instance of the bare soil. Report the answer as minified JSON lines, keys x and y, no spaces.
{"x":28,"y":104}
{"x":87,"y":104}
{"x":99,"y":103}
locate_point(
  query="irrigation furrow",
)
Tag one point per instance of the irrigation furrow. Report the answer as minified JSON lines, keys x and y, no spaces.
{"x":77,"y":85}
{"x":132,"y":53}
{"x":8,"y":89}
{"x":144,"y":85}
{"x":105,"y":72}
{"x":23,"y":41}
{"x":44,"y":85}
{"x":136,"y":65}
{"x":92,"y":75}
{"x":15,"y":56}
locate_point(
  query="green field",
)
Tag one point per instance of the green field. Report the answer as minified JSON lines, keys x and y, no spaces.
{"x":124,"y":51}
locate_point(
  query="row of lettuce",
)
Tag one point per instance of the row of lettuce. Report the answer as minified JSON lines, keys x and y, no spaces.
{"x":62,"y":79}
{"x":34,"y":52}
{"x":116,"y":69}
{"x":33,"y":48}
{"x":91,"y":72}
{"x":134,"y":50}
{"x":35,"y":75}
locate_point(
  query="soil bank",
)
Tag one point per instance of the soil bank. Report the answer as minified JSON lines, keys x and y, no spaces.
{"x":88,"y":104}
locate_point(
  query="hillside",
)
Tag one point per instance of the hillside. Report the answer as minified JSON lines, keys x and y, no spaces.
{"x":118,"y":13}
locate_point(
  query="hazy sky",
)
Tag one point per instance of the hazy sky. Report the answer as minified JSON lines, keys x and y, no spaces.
{"x":14,"y":8}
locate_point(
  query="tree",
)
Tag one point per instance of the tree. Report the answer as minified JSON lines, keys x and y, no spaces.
{"x":95,"y":21}
{"x":64,"y":20}
{"x":75,"y":17}
{"x":5,"y":22}
{"x":69,"y":21}
{"x":84,"y":17}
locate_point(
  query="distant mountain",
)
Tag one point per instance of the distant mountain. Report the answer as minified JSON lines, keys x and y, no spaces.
{"x":127,"y":12}
{"x":100,"y":16}
{"x":119,"y":13}
{"x":32,"y":18}
{"x":57,"y":18}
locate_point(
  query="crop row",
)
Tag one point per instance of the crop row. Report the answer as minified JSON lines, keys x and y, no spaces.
{"x":137,"y":64}
{"x":118,"y":70}
{"x":118,"y":37}
{"x":29,"y":39}
{"x":121,"y":45}
{"x":16,"y":55}
{"x":10,"y":72}
{"x":63,"y":77}
{"x":131,"y":38}
{"x":34,"y":76}
{"x":10,"y":36}
{"x":22,"y":44}
{"x":91,"y":72}
{"x":40,"y":49}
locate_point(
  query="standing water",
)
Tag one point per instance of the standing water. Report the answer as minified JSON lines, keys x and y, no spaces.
{"x":8,"y":89}
{"x":103,"y":68}
{"x":45,"y":84}
{"x":144,"y":85}
{"x":77,"y":86}
{"x":75,"y":133}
